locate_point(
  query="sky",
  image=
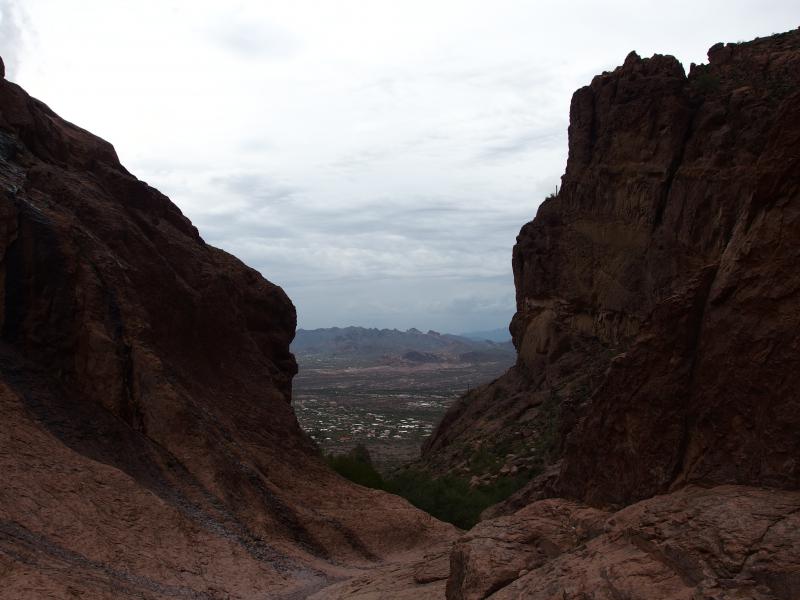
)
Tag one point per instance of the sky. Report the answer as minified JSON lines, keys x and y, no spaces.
{"x":374,"y":158}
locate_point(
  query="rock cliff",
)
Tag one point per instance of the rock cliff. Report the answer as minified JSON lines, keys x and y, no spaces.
{"x":148,"y":446}
{"x":657,"y":304}
{"x":655,"y":396}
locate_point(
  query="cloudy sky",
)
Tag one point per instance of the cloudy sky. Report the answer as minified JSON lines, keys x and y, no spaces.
{"x":375,"y":158}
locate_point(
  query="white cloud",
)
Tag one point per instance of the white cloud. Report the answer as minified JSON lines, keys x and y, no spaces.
{"x":376,"y":158}
{"x":252,"y":38}
{"x":12,"y":41}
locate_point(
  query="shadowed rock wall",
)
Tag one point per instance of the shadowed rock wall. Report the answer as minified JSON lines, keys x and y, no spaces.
{"x":657,"y":293}
{"x":148,"y":446}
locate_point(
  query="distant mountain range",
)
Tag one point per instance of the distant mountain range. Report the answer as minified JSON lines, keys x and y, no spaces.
{"x":390,"y":345}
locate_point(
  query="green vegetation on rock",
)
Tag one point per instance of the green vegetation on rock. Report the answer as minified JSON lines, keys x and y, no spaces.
{"x":448,"y":498}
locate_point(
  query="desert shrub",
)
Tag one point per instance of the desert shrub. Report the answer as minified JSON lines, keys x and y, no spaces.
{"x":485,"y":459}
{"x":448,"y":498}
{"x":356,"y":469}
{"x":361,"y":454}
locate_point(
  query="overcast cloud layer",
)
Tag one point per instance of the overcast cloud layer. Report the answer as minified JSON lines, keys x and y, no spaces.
{"x":375,"y":158}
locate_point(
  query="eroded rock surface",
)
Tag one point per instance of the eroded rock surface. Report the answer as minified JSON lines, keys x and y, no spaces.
{"x":148,"y":446}
{"x":720,"y":543}
{"x":657,"y":328}
{"x":498,"y":551}
{"x":658,"y":301}
{"x":413,"y":576}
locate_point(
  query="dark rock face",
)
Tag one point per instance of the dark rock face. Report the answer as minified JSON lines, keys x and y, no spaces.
{"x":656,"y":294}
{"x":706,"y":390}
{"x":658,"y":303}
{"x":148,"y":444}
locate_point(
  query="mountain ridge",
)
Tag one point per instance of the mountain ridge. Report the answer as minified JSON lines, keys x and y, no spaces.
{"x":382,"y":345}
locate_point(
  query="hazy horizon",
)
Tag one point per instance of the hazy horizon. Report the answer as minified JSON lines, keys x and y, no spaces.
{"x":406,"y":330}
{"x":375,"y":159}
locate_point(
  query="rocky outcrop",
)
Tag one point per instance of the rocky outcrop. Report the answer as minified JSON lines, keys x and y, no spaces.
{"x":654,"y":400}
{"x":656,"y":296}
{"x":707,"y":387}
{"x":725,"y":542}
{"x":496,"y":552}
{"x":148,"y":446}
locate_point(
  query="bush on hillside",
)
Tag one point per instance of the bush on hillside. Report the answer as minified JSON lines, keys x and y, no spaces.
{"x":447,"y":498}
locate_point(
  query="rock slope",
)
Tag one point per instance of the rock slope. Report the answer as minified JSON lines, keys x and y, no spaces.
{"x":148,"y":446}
